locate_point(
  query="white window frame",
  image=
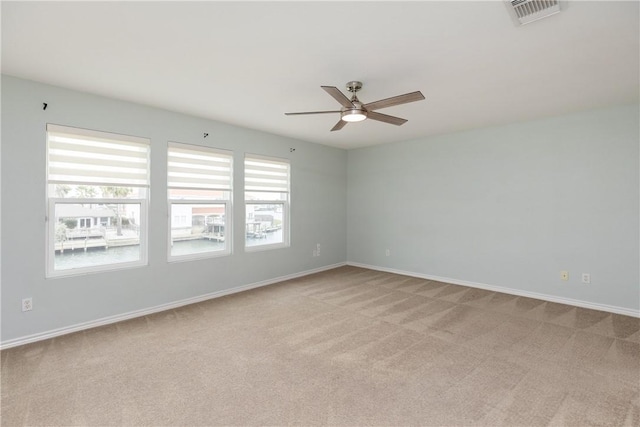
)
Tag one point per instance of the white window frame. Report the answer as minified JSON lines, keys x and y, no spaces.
{"x":228,"y":212}
{"x":286,"y":204}
{"x":52,"y":202}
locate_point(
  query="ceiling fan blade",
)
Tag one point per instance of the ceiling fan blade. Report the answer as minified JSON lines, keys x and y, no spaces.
{"x":386,"y":118}
{"x":396,"y":100}
{"x":311,"y":112}
{"x":338,"y":96}
{"x":339,"y":125}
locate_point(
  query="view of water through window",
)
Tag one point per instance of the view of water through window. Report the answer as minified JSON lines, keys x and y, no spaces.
{"x":265,"y":239}
{"x":80,"y":258}
{"x":190,"y":247}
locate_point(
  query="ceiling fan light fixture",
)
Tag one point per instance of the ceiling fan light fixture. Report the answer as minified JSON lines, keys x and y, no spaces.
{"x":354,"y":115}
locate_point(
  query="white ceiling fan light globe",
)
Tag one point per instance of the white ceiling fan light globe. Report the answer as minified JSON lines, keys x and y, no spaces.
{"x":354,"y":115}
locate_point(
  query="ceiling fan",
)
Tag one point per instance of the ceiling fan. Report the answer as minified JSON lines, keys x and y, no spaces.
{"x":355,"y":111}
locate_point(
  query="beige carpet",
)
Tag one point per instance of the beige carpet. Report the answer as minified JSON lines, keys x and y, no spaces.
{"x":344,"y":347}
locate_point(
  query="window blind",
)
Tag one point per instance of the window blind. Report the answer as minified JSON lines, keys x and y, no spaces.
{"x":266,"y":174}
{"x":195,"y":167}
{"x":80,"y":156}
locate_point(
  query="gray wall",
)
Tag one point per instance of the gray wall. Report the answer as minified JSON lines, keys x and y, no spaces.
{"x":318,"y":211}
{"x":509,"y":206}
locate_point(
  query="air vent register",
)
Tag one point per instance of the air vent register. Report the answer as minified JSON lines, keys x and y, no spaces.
{"x":527,"y":11}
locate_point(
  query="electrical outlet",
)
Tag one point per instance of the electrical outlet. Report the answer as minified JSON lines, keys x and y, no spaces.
{"x":586,"y":278}
{"x":27,"y":304}
{"x":564,"y":275}
{"x":387,"y":252}
{"x":318,"y":249}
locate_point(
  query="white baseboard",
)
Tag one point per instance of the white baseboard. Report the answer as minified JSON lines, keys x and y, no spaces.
{"x":545,"y":297}
{"x":144,"y":312}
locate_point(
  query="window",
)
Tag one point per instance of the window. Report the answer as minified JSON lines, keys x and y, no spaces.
{"x":266,"y":185}
{"x":199,"y":192}
{"x":97,"y":190}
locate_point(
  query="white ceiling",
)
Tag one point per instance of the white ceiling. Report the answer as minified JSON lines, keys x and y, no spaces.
{"x":248,"y":63}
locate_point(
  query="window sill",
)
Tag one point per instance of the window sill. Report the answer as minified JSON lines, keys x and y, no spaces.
{"x":260,"y":248}
{"x":198,"y":256}
{"x":84,"y":271}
